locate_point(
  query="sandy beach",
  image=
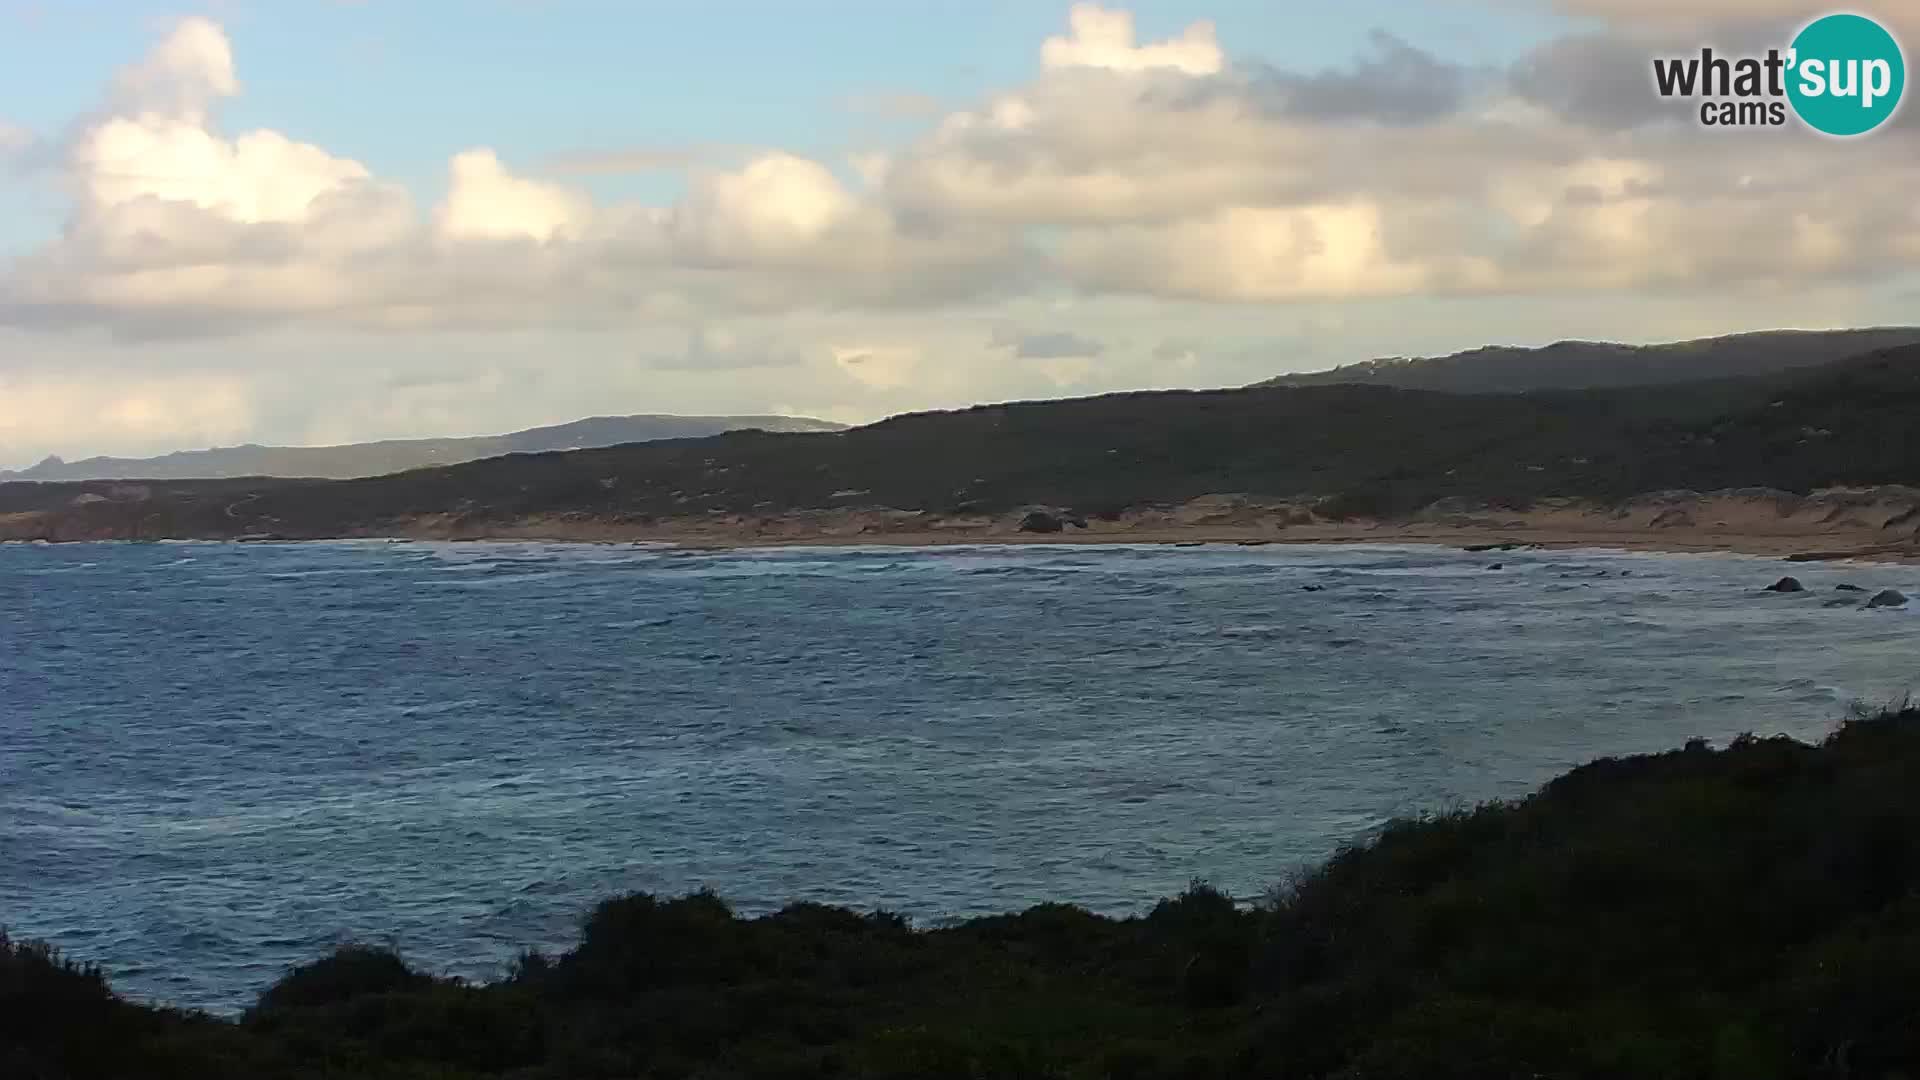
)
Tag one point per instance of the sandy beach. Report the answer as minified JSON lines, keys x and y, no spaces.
{"x":1879,"y":524}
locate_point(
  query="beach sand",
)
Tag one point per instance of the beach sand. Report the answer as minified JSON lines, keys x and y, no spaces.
{"x":1877,"y":523}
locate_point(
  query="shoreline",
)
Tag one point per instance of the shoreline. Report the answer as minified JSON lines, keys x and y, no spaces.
{"x":1787,"y":548}
{"x":1874,"y":524}
{"x":1473,"y":542}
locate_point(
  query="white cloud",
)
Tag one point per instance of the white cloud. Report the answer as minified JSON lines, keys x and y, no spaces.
{"x":1149,"y":168}
{"x":177,"y":225}
{"x":1215,"y":185}
{"x":485,"y":202}
{"x":777,"y":207}
{"x":183,"y":76}
{"x":261,"y":176}
{"x":158,"y":147}
{"x":1103,"y":38}
{"x":136,"y":415}
{"x":1256,"y":253}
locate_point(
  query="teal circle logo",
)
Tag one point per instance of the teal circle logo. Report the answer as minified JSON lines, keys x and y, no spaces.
{"x":1847,"y":75}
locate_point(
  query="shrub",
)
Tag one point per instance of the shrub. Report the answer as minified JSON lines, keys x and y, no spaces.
{"x":346,"y":973}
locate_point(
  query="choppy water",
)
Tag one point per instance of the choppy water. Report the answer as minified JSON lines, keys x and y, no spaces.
{"x":218,"y":760}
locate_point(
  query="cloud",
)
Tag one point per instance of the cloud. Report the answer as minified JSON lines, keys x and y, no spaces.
{"x":718,"y":349}
{"x":1246,"y":184}
{"x":1393,"y":83}
{"x":1155,"y":169}
{"x":1599,"y":80}
{"x":50,"y":409}
{"x":879,"y":367}
{"x":178,"y":227}
{"x":1181,"y":354}
{"x":1262,"y":253}
{"x":1099,"y":37}
{"x":183,"y":76}
{"x":485,"y":202}
{"x":778,"y":206}
{"x":1046,"y":344}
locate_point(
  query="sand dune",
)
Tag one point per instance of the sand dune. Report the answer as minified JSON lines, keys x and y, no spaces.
{"x":1878,"y":523}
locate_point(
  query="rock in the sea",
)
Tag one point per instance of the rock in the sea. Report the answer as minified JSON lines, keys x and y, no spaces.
{"x":1888,"y":598}
{"x":1787,"y":584}
{"x":1039,"y":521}
{"x":1496,"y":566}
{"x":1848,"y":588}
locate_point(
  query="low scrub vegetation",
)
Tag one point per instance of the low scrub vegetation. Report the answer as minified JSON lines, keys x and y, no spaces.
{"x":1370,"y":451}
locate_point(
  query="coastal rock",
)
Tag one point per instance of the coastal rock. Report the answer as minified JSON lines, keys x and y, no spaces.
{"x":1039,"y":521}
{"x":1787,"y":584}
{"x":1888,"y":598}
{"x":1848,"y":588}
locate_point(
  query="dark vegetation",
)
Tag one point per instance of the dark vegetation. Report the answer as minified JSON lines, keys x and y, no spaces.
{"x":1573,"y":365}
{"x":1741,"y":913}
{"x":1368,"y":450}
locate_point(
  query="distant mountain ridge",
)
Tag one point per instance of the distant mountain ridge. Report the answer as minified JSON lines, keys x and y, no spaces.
{"x":1583,"y":365}
{"x":353,"y":460}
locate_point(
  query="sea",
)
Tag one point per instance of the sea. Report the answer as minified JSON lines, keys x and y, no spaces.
{"x":220,"y":760}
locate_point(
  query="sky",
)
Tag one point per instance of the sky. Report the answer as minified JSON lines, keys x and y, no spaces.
{"x":322,"y":221}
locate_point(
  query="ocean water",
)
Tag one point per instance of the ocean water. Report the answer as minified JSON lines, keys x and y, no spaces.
{"x":219,"y":760}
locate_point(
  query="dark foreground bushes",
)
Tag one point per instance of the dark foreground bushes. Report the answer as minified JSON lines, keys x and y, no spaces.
{"x":1744,"y":913}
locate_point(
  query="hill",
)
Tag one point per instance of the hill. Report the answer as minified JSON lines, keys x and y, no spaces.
{"x":1570,"y":365}
{"x":1746,"y":912}
{"x":1361,"y":450}
{"x":395,"y":455}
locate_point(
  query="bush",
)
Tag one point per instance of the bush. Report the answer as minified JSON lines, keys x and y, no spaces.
{"x":346,"y":973}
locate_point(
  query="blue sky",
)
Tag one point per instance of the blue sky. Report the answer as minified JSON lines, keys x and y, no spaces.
{"x":860,"y":206}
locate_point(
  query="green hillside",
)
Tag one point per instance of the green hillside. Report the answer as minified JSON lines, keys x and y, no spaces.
{"x":1378,"y":450}
{"x":1572,"y":365}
